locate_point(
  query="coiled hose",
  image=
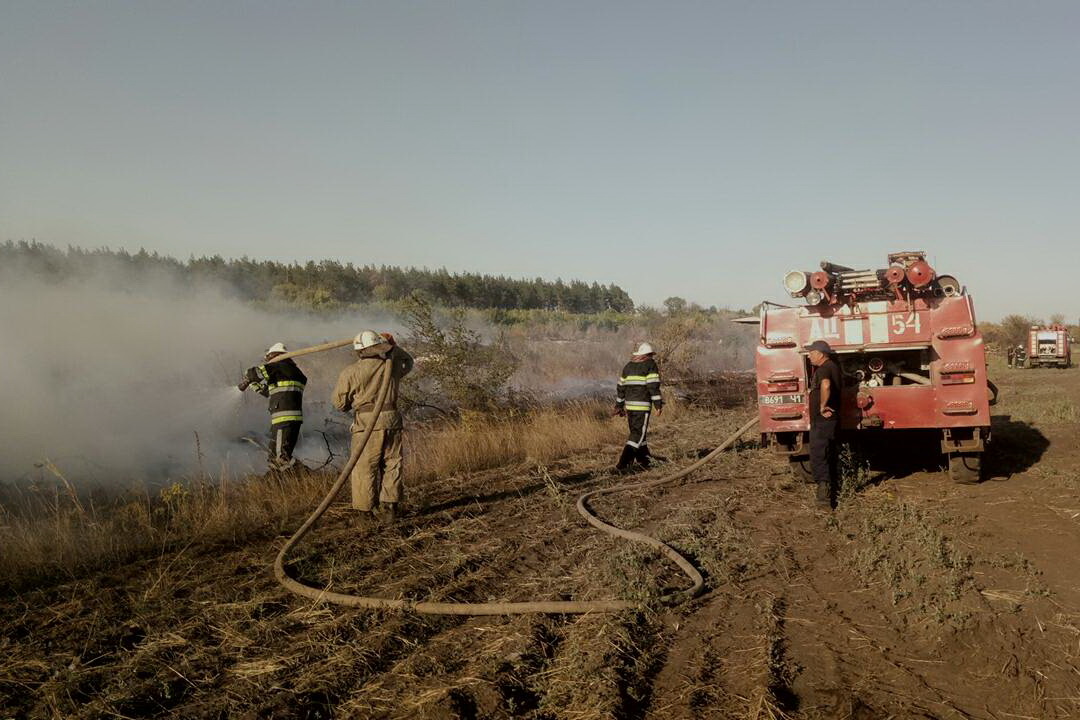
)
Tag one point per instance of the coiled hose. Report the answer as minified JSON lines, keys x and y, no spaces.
{"x":568,"y":607}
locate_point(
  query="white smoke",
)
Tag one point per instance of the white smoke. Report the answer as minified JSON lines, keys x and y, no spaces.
{"x":110,"y":378}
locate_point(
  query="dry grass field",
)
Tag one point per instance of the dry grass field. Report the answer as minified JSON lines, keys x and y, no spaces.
{"x":915,"y":598}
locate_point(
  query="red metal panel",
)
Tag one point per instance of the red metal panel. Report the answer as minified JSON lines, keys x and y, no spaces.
{"x":781,"y":362}
{"x":947,"y":325}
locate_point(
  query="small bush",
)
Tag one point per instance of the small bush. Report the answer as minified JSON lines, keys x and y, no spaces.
{"x":454,"y":367}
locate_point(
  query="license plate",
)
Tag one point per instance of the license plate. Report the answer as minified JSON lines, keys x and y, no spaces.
{"x":795,"y":399}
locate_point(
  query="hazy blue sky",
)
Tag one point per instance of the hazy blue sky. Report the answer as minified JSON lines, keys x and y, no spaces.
{"x":699,"y":149}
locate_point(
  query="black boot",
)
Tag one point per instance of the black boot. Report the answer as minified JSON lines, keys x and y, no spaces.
{"x":643,"y":456}
{"x":824,"y":496}
{"x":626,"y":458}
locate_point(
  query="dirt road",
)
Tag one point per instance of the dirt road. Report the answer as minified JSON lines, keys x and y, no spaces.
{"x":916,"y":598}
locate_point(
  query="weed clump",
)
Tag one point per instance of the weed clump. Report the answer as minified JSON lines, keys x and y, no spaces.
{"x":901,"y":546}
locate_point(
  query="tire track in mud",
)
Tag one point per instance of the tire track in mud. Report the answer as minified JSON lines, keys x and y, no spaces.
{"x":728,"y":657}
{"x":895,"y":664}
{"x":850,"y":650}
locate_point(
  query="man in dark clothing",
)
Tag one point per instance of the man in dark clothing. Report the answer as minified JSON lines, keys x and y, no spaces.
{"x":282,"y":382}
{"x":636,"y":396}
{"x":824,"y":419}
{"x":1019,"y":356}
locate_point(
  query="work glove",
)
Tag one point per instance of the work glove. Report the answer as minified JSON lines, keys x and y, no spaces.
{"x":620,"y":411}
{"x":243,"y":385}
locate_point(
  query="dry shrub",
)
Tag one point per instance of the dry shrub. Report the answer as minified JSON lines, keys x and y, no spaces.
{"x":456,"y":369}
{"x":479,"y":442}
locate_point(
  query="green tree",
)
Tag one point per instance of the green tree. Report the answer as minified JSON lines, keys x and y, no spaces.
{"x":454,"y":366}
{"x":675,"y":305}
{"x":1015,"y":328}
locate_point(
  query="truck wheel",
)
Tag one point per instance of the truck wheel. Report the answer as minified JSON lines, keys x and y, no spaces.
{"x":965,"y":468}
{"x":800,"y":469}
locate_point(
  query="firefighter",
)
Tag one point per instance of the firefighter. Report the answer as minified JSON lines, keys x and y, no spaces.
{"x":1010,"y":356}
{"x":824,"y":419}
{"x":636,"y":396}
{"x":376,"y":479}
{"x":283,"y":383}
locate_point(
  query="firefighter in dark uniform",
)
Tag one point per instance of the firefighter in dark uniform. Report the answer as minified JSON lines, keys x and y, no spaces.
{"x":283,"y":383}
{"x":636,"y":397}
{"x":824,"y":419}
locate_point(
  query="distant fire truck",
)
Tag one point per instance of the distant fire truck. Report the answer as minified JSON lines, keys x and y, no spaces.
{"x":1049,"y":347}
{"x":909,"y":350}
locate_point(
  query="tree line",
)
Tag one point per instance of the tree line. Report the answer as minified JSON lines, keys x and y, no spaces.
{"x":328,"y":284}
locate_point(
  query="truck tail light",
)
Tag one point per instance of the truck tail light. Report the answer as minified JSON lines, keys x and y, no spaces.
{"x":784,"y":387}
{"x":957,"y":372}
{"x":782,"y":381}
{"x":864,"y":400}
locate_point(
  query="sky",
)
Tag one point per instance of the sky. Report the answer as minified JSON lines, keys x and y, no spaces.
{"x":698,"y":149}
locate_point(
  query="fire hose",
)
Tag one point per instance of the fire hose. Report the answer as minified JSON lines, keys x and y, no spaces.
{"x":568,"y":607}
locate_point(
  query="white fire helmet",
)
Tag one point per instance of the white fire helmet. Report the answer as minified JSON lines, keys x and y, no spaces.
{"x":277,"y":348}
{"x":366,"y":339}
{"x":644,"y":349}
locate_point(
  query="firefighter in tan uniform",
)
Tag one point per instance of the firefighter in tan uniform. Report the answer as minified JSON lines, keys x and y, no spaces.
{"x":376,"y":479}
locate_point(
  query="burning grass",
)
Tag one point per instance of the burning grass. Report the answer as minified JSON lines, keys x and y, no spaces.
{"x":55,"y":533}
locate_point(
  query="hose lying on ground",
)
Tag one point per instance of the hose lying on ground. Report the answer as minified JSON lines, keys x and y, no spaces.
{"x":684,"y":564}
{"x":498,"y":608}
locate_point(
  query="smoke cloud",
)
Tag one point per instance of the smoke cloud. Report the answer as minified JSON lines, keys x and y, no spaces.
{"x":110,"y":378}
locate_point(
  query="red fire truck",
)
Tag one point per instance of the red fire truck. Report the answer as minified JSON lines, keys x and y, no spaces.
{"x":1049,"y":347}
{"x":909,"y":350}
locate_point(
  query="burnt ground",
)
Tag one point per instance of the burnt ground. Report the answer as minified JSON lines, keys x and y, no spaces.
{"x":916,"y":598}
